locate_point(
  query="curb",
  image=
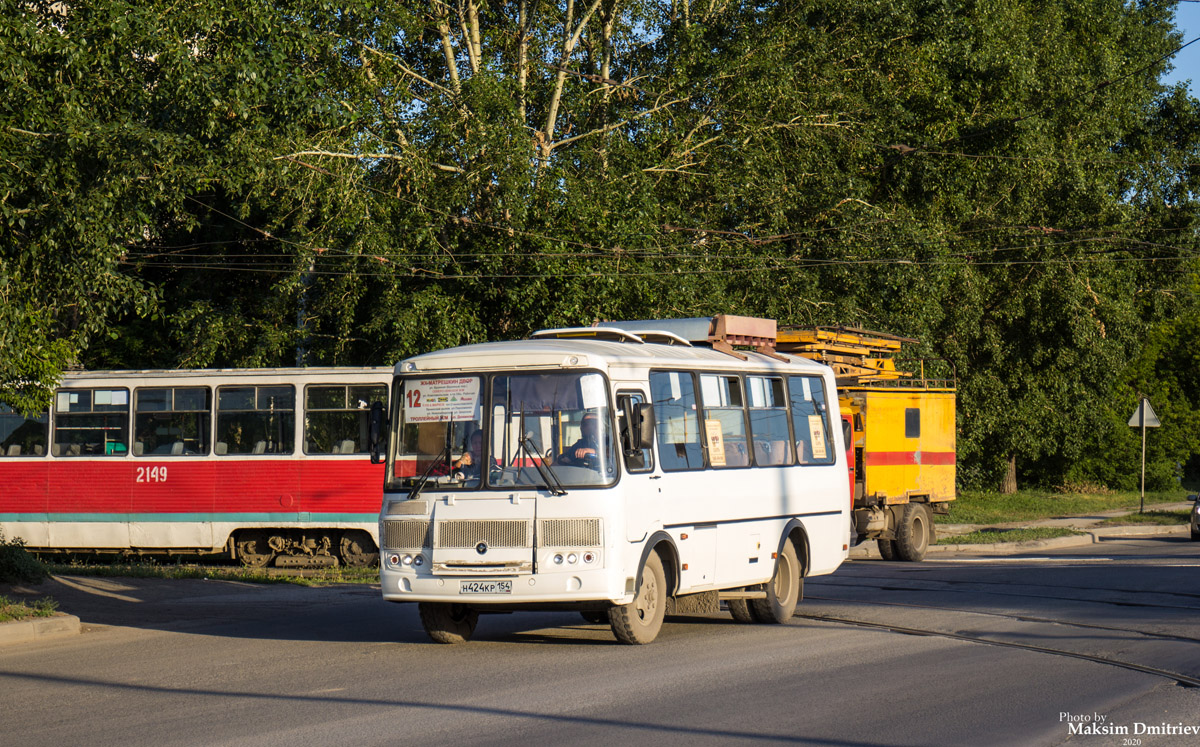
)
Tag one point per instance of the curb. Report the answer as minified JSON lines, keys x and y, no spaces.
{"x":867,"y":549}
{"x":39,"y":629}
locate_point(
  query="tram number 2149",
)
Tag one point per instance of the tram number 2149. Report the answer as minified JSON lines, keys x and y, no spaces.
{"x":151,"y":474}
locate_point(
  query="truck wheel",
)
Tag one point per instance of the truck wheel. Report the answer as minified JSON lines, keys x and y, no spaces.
{"x":783,"y":590}
{"x":448,"y":623}
{"x":887,"y":549}
{"x":739,"y":609}
{"x":639,"y":621}
{"x":913,"y":534}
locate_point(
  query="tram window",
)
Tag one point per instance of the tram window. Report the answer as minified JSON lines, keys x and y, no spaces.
{"x":91,"y":422}
{"x":769,"y":421}
{"x":724,"y":421}
{"x":22,"y":435}
{"x":256,"y":420}
{"x":172,"y":421}
{"x":676,"y":421}
{"x":810,"y":420}
{"x":337,"y":417}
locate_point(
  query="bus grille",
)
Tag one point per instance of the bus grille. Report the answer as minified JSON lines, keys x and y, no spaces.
{"x":569,"y":533}
{"x":405,"y":535}
{"x":469,"y":533}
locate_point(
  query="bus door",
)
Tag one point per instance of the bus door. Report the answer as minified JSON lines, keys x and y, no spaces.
{"x":640,"y":485}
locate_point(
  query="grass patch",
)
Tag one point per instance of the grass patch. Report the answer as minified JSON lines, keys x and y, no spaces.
{"x":151,"y":569}
{"x":1164,"y":518}
{"x":1026,"y":505}
{"x":14,"y":610}
{"x":990,"y":536}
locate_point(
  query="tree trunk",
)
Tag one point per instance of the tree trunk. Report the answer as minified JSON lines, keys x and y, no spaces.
{"x":1008,"y":485}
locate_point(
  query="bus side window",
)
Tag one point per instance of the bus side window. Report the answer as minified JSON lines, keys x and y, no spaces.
{"x":810,"y":420}
{"x":636,"y":460}
{"x":724,"y":421}
{"x":677,"y":423}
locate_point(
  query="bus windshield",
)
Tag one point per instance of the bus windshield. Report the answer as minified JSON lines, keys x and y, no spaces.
{"x":547,"y":430}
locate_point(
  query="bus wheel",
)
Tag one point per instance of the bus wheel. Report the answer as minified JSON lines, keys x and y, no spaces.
{"x":887,"y":549}
{"x":739,"y":609}
{"x":448,"y":623}
{"x":639,"y":621}
{"x":253,"y":550}
{"x":783,"y":590}
{"x":357,"y":550}
{"x":913,"y":534}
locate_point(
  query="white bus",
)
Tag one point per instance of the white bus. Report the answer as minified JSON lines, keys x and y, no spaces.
{"x":623,"y":473}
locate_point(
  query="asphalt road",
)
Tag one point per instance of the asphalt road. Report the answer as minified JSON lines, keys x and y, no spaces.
{"x":956,"y":651}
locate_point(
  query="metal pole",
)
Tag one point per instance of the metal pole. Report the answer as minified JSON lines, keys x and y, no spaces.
{"x":1142,"y":420}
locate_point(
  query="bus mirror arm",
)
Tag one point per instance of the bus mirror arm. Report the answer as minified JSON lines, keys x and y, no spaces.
{"x":375,"y":432}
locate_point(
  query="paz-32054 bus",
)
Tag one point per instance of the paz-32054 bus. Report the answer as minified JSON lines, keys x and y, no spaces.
{"x":626,"y":473}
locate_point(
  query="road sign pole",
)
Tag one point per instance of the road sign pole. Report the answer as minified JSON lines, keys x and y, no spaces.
{"x":1144,"y":417}
{"x":1142,"y":505}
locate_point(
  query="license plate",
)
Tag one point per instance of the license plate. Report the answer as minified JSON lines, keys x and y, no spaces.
{"x":485,"y":587}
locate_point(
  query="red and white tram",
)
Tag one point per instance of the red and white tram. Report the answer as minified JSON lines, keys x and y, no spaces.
{"x":269,"y":465}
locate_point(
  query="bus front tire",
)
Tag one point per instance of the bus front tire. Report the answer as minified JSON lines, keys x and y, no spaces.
{"x":915,"y":533}
{"x":639,"y":621}
{"x":783,"y":590}
{"x":448,"y":623}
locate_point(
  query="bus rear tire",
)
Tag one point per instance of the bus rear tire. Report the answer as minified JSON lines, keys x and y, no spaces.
{"x":639,"y":621}
{"x":914,"y":534}
{"x":783,"y":590}
{"x":448,"y":623}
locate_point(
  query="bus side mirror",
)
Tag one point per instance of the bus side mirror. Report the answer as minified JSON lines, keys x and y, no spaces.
{"x":643,"y":431}
{"x":375,"y":432}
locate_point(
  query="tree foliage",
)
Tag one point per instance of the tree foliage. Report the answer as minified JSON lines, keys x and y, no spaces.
{"x":350,"y":183}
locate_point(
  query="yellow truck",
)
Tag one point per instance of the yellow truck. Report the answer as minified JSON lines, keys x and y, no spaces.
{"x":902,"y":427}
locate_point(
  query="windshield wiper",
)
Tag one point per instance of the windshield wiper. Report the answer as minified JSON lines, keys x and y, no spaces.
{"x":445,"y":459}
{"x":553,"y":484}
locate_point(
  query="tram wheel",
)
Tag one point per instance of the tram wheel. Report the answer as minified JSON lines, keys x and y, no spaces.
{"x":357,"y":550}
{"x":783,"y":590}
{"x":639,"y":621}
{"x":448,"y":623}
{"x":253,"y":550}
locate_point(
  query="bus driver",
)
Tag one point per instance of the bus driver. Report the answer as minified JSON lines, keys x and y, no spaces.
{"x":585,"y":452}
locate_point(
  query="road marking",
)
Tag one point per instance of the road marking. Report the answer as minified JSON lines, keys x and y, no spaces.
{"x":1018,"y":560}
